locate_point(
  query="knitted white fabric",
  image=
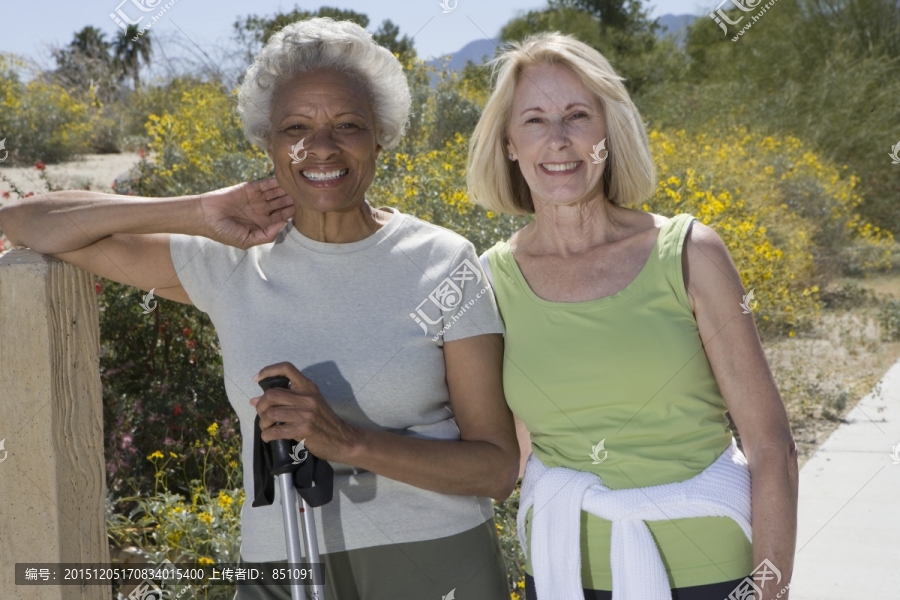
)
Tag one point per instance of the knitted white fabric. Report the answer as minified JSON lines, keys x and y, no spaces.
{"x":558,"y":496}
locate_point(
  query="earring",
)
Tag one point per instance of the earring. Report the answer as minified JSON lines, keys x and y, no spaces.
{"x":510,"y":157}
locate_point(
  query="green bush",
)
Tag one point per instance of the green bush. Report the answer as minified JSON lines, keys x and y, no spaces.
{"x":889,"y":316}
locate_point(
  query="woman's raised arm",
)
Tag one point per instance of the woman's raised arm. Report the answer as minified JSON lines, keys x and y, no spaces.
{"x":126,"y":238}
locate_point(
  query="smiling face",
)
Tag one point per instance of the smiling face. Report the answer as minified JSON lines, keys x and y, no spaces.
{"x":554,"y":124}
{"x":332,"y":114}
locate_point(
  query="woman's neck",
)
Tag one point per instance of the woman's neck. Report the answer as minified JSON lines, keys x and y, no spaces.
{"x":340,"y":227}
{"x":571,"y":229}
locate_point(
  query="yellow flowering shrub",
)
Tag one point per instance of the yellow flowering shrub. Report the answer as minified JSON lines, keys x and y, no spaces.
{"x":432,"y":186}
{"x":202,"y":526}
{"x":40,"y":120}
{"x":198,"y":143}
{"x":786,"y":217}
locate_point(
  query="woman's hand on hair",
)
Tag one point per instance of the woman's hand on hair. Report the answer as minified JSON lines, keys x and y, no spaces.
{"x":246,"y":214}
{"x":302,"y":413}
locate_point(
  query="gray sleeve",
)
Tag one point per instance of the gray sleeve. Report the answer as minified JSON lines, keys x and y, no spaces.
{"x":203,"y":266}
{"x":476,"y":313}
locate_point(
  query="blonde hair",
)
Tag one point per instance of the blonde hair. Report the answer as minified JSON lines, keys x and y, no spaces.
{"x":497,"y":183}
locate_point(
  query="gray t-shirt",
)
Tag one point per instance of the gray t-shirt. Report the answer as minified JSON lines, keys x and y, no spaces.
{"x":366,"y":322}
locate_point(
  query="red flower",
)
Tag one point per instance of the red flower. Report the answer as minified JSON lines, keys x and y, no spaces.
{"x":40,"y":166}
{"x":98,"y":288}
{"x":187,"y":331}
{"x":141,"y":153}
{"x":27,"y":194}
{"x":5,"y":193}
{"x":177,"y":410}
{"x":191,"y":343}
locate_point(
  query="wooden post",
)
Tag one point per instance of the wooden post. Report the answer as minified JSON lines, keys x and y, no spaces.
{"x":53,"y":476}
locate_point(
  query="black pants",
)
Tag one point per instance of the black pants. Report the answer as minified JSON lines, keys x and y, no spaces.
{"x":712,"y":591}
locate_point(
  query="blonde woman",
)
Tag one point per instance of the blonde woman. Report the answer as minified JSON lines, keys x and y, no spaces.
{"x":625,"y":346}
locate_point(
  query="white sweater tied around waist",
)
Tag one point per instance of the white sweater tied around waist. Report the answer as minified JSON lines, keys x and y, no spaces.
{"x":559,"y":494}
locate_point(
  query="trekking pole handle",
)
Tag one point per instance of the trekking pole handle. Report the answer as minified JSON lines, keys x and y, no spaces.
{"x":281,"y":449}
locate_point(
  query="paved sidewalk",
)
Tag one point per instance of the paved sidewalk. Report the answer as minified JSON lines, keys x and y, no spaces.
{"x":848,"y":538}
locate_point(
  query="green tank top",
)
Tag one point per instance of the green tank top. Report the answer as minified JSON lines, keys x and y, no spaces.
{"x":628,"y":370}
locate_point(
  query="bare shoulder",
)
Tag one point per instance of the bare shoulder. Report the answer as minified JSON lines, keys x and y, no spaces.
{"x":709,"y":271}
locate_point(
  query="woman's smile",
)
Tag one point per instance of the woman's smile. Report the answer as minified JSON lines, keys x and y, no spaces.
{"x":561,"y":168}
{"x":324,"y":177}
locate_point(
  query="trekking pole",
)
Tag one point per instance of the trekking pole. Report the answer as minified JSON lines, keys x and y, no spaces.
{"x":285,"y":458}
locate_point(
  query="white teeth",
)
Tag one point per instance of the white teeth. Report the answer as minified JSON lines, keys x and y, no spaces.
{"x":324,"y":176}
{"x":561,"y":167}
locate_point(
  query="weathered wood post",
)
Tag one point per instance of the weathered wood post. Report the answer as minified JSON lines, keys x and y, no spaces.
{"x":52,"y":474}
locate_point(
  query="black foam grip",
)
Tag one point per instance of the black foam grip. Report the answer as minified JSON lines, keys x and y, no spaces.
{"x":313,"y":478}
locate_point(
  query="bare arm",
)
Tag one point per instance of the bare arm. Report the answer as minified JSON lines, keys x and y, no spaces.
{"x":739,"y":363}
{"x":58,"y":222}
{"x":484,"y":462}
{"x":524,"y":438}
{"x":126,"y":238}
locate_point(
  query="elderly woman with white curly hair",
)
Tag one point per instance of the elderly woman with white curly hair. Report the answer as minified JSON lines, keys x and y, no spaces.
{"x":304,"y":278}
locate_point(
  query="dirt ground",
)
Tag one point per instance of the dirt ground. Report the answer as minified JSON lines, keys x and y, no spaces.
{"x":95,"y":170}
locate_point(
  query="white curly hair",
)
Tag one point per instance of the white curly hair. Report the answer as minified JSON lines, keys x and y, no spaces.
{"x":324,"y":44}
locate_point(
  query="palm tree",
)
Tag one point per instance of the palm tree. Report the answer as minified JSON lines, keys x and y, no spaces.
{"x":89,"y":41}
{"x":130,"y":51}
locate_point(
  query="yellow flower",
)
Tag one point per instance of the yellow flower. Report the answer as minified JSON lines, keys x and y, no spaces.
{"x":213,"y":429}
{"x":205,"y":517}
{"x":232,"y":464}
{"x":224,"y":500}
{"x":173,"y":455}
{"x":205,"y":560}
{"x":156,"y":454}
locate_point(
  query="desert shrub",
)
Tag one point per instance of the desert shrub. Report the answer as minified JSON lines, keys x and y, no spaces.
{"x":40,"y":120}
{"x":889,"y":316}
{"x":848,"y":296}
{"x":432,"y":186}
{"x":162,"y":377}
{"x":201,"y":525}
{"x":785,"y":215}
{"x":198,"y":141}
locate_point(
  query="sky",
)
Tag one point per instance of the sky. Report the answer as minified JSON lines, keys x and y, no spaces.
{"x":31,"y":28}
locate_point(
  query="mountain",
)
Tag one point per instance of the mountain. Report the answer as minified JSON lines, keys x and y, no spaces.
{"x":481,"y":50}
{"x":675,"y":26}
{"x":478,"y":52}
